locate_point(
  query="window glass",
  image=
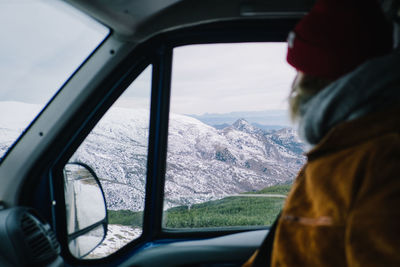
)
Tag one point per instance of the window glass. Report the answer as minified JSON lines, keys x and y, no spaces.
{"x":116,"y":149}
{"x":232,"y":152}
{"x":42,"y":44}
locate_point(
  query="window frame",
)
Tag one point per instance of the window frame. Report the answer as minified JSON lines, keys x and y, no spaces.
{"x":57,"y":91}
{"x":207,"y":232}
{"x":238,"y":34}
{"x":83,"y":125}
{"x":159,"y":52}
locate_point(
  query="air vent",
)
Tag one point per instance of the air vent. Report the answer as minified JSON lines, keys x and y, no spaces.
{"x":39,"y":238}
{"x":28,"y":225}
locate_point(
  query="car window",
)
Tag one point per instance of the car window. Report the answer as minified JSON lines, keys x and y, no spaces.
{"x":116,"y":149}
{"x":232,"y":152}
{"x":42,"y":44}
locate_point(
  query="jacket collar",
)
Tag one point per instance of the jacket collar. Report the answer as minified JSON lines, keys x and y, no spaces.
{"x":372,"y":86}
{"x":355,"y":132}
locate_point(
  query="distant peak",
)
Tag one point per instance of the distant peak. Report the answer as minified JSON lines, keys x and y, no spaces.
{"x":240,"y":123}
{"x":244,"y":126}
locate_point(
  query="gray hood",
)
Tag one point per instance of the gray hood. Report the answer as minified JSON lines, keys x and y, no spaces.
{"x":373,"y":86}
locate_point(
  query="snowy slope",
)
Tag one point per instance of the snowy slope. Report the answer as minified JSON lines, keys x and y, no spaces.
{"x":117,"y":237}
{"x":203,"y":163}
{"x":14,"y":118}
{"x":117,"y":150}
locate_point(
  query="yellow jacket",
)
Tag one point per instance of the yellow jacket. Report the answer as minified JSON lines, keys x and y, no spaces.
{"x":344,"y":207}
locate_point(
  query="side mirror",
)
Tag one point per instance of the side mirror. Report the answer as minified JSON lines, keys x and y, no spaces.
{"x":86,"y":209}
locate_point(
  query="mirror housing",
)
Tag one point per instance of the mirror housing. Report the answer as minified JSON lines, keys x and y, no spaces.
{"x":86,"y":209}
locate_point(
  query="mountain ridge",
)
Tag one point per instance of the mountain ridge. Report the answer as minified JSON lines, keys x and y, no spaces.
{"x":203,"y":163}
{"x":275,"y":118}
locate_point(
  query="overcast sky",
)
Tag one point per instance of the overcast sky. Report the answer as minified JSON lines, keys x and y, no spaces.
{"x":222,"y":78}
{"x":41,"y":47}
{"x":42,"y":43}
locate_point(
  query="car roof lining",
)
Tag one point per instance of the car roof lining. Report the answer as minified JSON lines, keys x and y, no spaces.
{"x":141,"y":19}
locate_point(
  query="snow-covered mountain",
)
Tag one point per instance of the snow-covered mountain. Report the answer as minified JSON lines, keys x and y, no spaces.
{"x":117,"y":151}
{"x":203,"y":163}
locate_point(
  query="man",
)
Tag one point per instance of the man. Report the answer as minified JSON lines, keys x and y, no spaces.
{"x":343,"y":209}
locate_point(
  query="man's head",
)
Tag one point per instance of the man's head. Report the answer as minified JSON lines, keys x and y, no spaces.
{"x":331,"y":41}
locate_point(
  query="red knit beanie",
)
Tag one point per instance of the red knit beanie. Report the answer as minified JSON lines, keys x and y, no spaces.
{"x":337,"y":36}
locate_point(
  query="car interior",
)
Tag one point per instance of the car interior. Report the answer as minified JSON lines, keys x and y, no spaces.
{"x":36,"y":173}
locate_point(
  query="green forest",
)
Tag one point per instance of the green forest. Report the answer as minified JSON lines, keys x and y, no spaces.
{"x":245,"y":209}
{"x":282,"y":189}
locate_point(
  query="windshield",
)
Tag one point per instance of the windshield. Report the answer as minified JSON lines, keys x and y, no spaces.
{"x":42,"y":44}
